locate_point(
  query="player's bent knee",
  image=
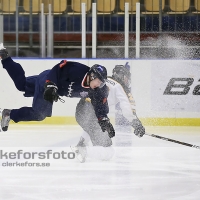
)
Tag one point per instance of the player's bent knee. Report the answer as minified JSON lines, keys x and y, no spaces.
{"x":109,"y":153}
{"x":41,"y":117}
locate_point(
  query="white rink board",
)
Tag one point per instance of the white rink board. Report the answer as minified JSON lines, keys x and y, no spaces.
{"x":149,"y":80}
{"x":175,"y":87}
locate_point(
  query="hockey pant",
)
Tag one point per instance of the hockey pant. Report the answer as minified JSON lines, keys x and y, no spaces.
{"x":86,"y":118}
{"x":33,"y":86}
{"x":98,"y":152}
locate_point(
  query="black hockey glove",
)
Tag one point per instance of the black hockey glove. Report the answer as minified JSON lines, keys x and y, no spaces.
{"x":50,"y":92}
{"x":107,"y":126}
{"x":3,"y":54}
{"x":139,"y":129}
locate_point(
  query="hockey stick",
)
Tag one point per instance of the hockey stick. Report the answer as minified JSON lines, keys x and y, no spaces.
{"x":131,"y":100}
{"x":171,"y":140}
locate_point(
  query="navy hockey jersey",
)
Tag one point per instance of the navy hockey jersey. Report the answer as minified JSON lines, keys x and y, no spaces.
{"x":70,"y":76}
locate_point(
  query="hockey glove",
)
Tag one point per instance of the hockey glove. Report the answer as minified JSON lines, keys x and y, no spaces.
{"x":50,"y":92}
{"x":139,"y":129}
{"x":3,"y":53}
{"x":107,"y":126}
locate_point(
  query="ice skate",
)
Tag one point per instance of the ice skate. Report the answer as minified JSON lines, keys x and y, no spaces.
{"x":3,"y":52}
{"x":80,"y":150}
{"x":5,"y":119}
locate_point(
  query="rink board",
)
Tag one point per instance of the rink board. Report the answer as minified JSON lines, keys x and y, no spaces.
{"x":166,"y":91}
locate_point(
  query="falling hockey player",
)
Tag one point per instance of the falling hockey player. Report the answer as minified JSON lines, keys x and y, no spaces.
{"x":70,"y":79}
{"x":119,"y":96}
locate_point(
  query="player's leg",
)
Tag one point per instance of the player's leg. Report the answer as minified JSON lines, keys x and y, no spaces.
{"x":15,"y":113}
{"x":16,"y":73}
{"x":86,"y":137}
{"x":83,"y":150}
{"x":27,"y":113}
{"x":101,"y":149}
{"x":87,"y":119}
{"x":21,"y":114}
{"x":39,"y":111}
{"x":40,"y":108}
{"x":80,"y":150}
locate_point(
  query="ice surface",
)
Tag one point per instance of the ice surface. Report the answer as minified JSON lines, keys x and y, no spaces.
{"x":142,"y":168}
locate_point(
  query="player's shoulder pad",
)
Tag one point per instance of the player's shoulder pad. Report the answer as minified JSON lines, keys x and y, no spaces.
{"x":63,"y":63}
{"x":112,"y":82}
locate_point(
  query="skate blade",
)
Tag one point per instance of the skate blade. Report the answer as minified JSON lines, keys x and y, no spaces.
{"x":1,"y":110}
{"x":4,"y":129}
{"x":78,"y":155}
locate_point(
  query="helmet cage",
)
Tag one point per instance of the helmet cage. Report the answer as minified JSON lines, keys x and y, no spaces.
{"x":93,"y":76}
{"x":95,"y":73}
{"x":122,"y":75}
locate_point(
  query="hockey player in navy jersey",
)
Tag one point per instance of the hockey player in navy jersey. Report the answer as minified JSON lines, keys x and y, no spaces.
{"x":120,"y":97}
{"x":70,"y":79}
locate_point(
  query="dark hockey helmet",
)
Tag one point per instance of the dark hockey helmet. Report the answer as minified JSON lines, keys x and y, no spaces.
{"x":122,"y":75}
{"x":100,"y":72}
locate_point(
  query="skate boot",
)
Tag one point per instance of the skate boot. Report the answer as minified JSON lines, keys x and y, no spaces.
{"x":3,"y":52}
{"x":80,"y":150}
{"x":5,"y":119}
